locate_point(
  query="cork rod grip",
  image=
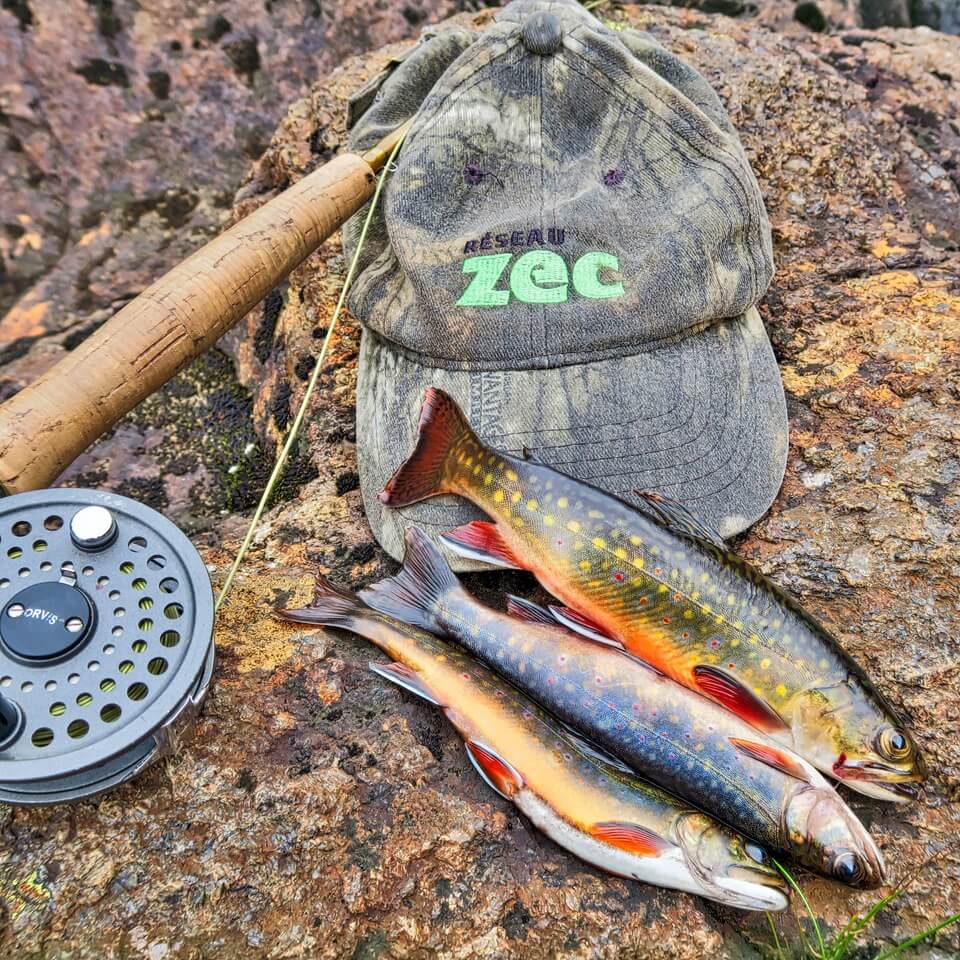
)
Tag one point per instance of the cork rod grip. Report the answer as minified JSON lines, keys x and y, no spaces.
{"x":49,"y":423}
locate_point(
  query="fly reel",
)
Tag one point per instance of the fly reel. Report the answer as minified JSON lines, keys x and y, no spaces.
{"x":106,"y":642}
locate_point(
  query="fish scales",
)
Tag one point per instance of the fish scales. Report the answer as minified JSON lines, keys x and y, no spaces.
{"x":600,"y":812}
{"x":681,"y":741}
{"x":672,"y":595}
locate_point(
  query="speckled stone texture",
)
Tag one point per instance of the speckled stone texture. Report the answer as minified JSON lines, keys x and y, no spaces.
{"x":321,"y":814}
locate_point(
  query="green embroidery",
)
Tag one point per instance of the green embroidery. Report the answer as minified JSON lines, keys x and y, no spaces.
{"x":486,"y":272}
{"x":586,"y":276}
{"x":539,"y":276}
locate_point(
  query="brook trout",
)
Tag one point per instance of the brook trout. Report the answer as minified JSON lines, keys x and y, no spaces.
{"x":586,"y":804}
{"x":676,"y":738}
{"x":656,"y":582}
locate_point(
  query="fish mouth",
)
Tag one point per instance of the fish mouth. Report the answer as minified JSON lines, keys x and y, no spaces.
{"x":879,"y":781}
{"x":756,"y":890}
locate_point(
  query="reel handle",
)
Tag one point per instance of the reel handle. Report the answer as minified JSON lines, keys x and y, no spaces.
{"x":49,"y":423}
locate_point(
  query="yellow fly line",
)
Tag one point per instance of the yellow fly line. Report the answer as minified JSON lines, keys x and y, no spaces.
{"x":311,"y":384}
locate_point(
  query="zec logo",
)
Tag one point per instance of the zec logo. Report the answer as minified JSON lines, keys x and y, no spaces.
{"x":538,"y":276}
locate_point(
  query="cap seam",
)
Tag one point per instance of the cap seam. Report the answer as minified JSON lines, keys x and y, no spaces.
{"x":547,"y":361}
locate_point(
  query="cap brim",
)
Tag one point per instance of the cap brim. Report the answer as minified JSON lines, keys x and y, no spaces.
{"x":701,"y":420}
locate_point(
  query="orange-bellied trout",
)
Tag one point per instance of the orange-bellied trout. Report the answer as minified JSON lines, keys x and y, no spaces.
{"x":655,"y":581}
{"x":587,"y":804}
{"x":681,"y":741}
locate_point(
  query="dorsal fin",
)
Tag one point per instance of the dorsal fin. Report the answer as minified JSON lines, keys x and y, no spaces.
{"x":480,"y":540}
{"x":732,"y":694}
{"x":630,"y":837}
{"x":773,"y":757}
{"x":528,"y":611}
{"x":594,"y":752}
{"x":676,"y":517}
{"x":403,"y":676}
{"x":583,"y":625}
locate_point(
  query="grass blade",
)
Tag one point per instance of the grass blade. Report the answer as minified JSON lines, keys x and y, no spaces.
{"x":913,"y":941}
{"x":822,"y":954}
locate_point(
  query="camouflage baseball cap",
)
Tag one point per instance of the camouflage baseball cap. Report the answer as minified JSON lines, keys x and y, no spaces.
{"x":572,"y":244}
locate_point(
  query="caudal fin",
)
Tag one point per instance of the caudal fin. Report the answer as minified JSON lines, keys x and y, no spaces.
{"x":412,"y":595}
{"x":442,"y":429}
{"x":331,"y":607}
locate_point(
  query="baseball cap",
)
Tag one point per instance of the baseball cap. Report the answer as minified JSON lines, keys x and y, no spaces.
{"x":572,"y":244}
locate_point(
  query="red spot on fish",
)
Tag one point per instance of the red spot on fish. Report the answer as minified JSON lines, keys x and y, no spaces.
{"x":714,"y":642}
{"x":643,"y":601}
{"x":685,"y":635}
{"x":636,"y":708}
{"x":678,"y":596}
{"x":653,"y":711}
{"x":666,"y":619}
{"x":658,"y":569}
{"x":563,"y":658}
{"x":466,"y":676}
{"x":559,"y":543}
{"x":551,"y":681}
{"x":598,"y":679}
{"x":731,"y":666}
{"x":500,"y":693}
{"x":618,"y":577}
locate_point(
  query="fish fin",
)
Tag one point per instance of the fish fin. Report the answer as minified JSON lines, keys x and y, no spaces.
{"x":499,"y":774}
{"x":528,"y":611}
{"x":584,"y":626}
{"x":674,"y":515}
{"x":412,"y":595}
{"x":442,"y":427}
{"x":630,"y":837}
{"x":531,"y":456}
{"x":331,"y":607}
{"x":598,"y":754}
{"x":732,"y":694}
{"x":773,"y":757}
{"x":480,"y":540}
{"x":404,"y":676}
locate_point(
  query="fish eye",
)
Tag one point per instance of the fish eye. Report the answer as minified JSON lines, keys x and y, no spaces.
{"x":893,"y":744}
{"x":846,"y":867}
{"x":755,"y":853}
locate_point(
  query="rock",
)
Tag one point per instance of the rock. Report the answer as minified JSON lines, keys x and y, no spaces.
{"x":320,"y":812}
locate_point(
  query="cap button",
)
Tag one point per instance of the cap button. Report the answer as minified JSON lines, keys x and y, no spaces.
{"x":541,"y":33}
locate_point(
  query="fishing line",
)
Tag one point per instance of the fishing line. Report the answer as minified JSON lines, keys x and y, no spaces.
{"x":278,"y":467}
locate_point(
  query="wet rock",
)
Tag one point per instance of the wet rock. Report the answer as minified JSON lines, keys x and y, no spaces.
{"x":320,"y":813}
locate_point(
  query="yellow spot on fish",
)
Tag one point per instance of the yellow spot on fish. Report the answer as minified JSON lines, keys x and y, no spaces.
{"x":695,"y":596}
{"x":688,"y":614}
{"x":595,"y":515}
{"x":573,"y":526}
{"x":511,"y":475}
{"x":662,"y":588}
{"x":562,"y":503}
{"x":487,"y":479}
{"x":620,"y":553}
{"x":731,"y":599}
{"x":688,"y":573}
{"x":781,"y":690}
{"x":498,"y":496}
{"x":822,"y":664}
{"x":674,"y":574}
{"x":704,"y":577}
{"x":598,"y":543}
{"x":637,"y":562}
{"x":532,"y":504}
{"x":548,"y":519}
{"x":636,"y":541}
{"x":735,"y":642}
{"x":765,"y":663}
{"x":584,"y":564}
{"x":515,"y":497}
{"x":469,"y":461}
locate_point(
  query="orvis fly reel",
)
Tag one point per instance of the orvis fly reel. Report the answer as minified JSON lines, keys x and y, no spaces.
{"x":106,"y":647}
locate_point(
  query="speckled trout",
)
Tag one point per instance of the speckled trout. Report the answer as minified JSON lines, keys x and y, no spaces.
{"x":681,"y":741}
{"x":583,"y":801}
{"x":657,"y":583}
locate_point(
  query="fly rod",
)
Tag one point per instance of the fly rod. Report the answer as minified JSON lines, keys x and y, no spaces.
{"x":49,"y":423}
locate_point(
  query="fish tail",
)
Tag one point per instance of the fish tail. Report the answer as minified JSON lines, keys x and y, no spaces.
{"x":413,"y":594}
{"x":443,"y":430}
{"x":331,"y":607}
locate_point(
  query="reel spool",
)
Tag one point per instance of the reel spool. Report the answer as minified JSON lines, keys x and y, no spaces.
{"x":106,"y":642}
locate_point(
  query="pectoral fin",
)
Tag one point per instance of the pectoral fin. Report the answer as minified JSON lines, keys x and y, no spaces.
{"x":732,"y":694}
{"x":630,"y":837}
{"x":772,"y":757}
{"x":403,"y":676}
{"x":494,"y":769}
{"x":480,"y":540}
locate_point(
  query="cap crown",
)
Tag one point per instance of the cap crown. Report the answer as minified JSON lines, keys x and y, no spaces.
{"x":566,"y":193}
